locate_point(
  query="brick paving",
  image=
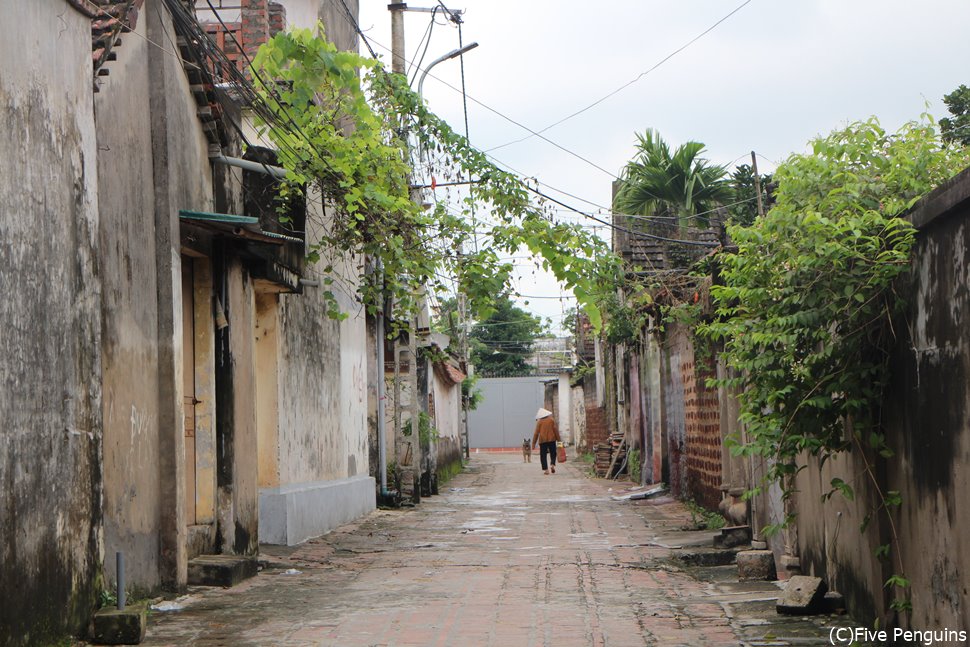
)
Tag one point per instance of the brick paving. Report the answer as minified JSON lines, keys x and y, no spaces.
{"x":504,"y":556}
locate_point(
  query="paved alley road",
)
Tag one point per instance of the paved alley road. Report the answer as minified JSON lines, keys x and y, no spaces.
{"x":504,"y":556}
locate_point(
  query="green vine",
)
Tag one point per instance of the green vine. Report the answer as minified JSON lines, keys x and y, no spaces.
{"x":350,"y":146}
{"x":427,"y":432}
{"x":806,"y":306}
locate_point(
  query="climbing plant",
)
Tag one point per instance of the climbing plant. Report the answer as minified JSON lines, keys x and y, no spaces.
{"x":356,"y":137}
{"x":806,"y":303}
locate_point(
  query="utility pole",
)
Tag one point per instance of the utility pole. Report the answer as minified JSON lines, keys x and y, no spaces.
{"x":397,"y":10}
{"x":757,"y":182}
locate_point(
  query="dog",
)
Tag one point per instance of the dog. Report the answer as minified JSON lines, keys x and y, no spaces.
{"x":526,"y":451}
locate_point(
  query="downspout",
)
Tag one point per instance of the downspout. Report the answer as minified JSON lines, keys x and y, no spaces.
{"x":381,"y":391}
{"x":249,"y":165}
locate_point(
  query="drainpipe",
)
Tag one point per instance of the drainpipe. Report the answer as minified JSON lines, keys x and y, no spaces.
{"x":249,"y":165}
{"x":381,"y":390}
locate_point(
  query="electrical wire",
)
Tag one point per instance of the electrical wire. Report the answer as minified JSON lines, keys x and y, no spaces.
{"x":353,"y":22}
{"x":629,"y":83}
{"x":631,"y":232}
{"x":426,"y":39}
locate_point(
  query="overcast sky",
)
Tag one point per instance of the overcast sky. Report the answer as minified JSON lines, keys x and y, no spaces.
{"x":769,"y":78}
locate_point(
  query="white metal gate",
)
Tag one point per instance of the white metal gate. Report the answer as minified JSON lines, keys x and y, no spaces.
{"x":507,"y":411}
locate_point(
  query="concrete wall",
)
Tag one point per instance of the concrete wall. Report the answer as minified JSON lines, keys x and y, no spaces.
{"x":132,"y":492}
{"x":50,"y":402}
{"x":927,"y":426}
{"x":321,"y":398}
{"x":577,"y":398}
{"x":447,"y":420}
{"x":306,"y":13}
{"x":447,"y":408}
{"x":322,"y":381}
{"x":182,"y":180}
{"x":655,"y":466}
{"x":565,"y":407}
{"x":675,"y":350}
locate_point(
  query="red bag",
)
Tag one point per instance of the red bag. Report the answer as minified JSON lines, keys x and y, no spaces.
{"x":561,"y":456}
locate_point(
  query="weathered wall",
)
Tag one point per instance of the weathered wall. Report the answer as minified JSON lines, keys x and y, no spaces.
{"x":655,"y":440}
{"x":130,"y":352}
{"x":447,"y":408}
{"x":238,"y":493}
{"x":182,"y":180}
{"x":578,"y":415}
{"x":596,"y":427}
{"x":447,"y":420}
{"x":50,"y":401}
{"x":703,"y":431}
{"x":927,"y":426}
{"x":564,"y":409}
{"x":323,"y":364}
{"x":322,"y":391}
{"x":675,"y":351}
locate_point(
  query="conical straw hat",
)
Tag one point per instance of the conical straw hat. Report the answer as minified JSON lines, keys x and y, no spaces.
{"x":542,"y":413}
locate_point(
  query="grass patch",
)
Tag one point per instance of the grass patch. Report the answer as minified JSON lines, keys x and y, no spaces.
{"x":703,"y":519}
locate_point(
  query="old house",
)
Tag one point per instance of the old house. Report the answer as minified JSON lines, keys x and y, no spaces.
{"x":174,"y":386}
{"x":653,"y":372}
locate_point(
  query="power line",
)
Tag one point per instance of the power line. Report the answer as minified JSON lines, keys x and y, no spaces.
{"x":367,"y":41}
{"x":635,"y":234}
{"x":628,"y":84}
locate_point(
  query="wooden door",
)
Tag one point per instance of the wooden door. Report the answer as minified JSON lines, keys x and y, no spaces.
{"x":188,"y":384}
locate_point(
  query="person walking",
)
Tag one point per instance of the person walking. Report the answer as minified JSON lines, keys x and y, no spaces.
{"x":546,"y":435}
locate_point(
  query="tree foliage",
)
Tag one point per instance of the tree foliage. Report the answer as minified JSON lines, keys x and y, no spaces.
{"x":349,"y":143}
{"x":676,"y":184}
{"x":957,"y":128}
{"x":805,"y":305}
{"x":502,"y":343}
{"x":744,"y":203}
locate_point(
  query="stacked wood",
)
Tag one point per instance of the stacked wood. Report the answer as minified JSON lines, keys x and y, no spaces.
{"x":609,"y":459}
{"x":602,"y":456}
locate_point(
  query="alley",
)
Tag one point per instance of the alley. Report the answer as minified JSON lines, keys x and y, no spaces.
{"x":503,"y":556}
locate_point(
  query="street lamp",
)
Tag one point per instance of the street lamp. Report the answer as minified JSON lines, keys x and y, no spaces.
{"x":450,"y":55}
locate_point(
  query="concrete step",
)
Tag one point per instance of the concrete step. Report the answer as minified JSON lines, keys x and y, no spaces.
{"x":221,"y":570}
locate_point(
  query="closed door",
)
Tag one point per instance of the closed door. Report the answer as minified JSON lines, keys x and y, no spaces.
{"x":188,"y":385}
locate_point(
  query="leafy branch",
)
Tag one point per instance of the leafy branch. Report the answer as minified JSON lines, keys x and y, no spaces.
{"x":806,"y":305}
{"x":349,"y":147}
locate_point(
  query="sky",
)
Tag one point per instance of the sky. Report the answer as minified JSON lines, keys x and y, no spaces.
{"x":768,"y":79}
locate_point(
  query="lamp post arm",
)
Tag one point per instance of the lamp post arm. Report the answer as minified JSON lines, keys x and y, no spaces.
{"x":450,"y":55}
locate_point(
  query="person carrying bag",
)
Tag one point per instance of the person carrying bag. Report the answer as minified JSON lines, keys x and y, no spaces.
{"x":546,"y":435}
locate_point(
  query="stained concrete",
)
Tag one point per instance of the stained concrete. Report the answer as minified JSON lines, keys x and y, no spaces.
{"x":50,"y":364}
{"x":292,"y":514}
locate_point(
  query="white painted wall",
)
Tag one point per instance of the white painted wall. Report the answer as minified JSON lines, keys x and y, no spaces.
{"x":564,"y":415}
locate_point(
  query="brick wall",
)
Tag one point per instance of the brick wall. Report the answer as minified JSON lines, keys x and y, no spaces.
{"x":260,"y":20}
{"x":703,"y":432}
{"x":255,"y":25}
{"x":597,"y":429}
{"x":277,"y":18}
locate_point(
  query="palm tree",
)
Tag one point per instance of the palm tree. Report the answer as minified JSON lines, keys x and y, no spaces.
{"x":678,"y":185}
